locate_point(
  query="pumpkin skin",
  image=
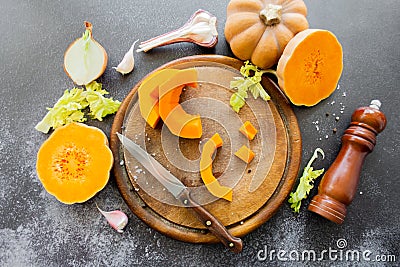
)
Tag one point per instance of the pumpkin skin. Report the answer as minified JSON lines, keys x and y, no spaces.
{"x":207,"y":176}
{"x":171,"y":112}
{"x":74,"y":163}
{"x":259,"y":30}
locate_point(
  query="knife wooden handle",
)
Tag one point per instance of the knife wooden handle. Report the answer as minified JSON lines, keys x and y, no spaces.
{"x":212,"y":223}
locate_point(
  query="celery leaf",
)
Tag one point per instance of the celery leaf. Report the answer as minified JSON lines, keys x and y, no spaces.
{"x":249,"y":82}
{"x":69,"y":108}
{"x":99,"y":105}
{"x":306,"y":182}
{"x":66,"y":110}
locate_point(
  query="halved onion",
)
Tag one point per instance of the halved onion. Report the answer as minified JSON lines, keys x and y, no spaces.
{"x":85,"y":59}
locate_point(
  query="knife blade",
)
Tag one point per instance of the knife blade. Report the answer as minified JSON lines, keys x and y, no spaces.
{"x":182,"y":193}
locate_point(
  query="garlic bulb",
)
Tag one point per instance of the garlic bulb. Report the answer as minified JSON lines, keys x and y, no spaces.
{"x":200,"y":29}
{"x":128,"y":62}
{"x":85,"y":59}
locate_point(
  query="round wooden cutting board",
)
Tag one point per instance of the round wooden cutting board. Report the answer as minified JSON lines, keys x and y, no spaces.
{"x":259,"y":188}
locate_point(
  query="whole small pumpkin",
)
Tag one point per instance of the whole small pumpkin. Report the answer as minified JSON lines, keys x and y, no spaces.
{"x":259,"y":30}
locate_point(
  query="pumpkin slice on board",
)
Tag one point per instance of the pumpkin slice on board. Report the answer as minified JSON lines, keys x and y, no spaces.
{"x":74,"y":163}
{"x":310,"y":67}
{"x":172,"y":113}
{"x":259,"y":30}
{"x":148,"y":95}
{"x":207,"y":176}
{"x":248,"y":130}
{"x":245,"y":154}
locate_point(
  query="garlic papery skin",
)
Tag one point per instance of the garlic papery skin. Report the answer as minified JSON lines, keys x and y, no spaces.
{"x":128,"y":62}
{"x":199,"y":29}
{"x":116,"y":218}
{"x":85,"y":59}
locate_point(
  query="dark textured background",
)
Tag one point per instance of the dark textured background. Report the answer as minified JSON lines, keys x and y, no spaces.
{"x":37,"y":230}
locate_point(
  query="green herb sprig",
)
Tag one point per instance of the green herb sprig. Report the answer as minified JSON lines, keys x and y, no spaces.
{"x":69,"y":108}
{"x":306,"y":182}
{"x":249,"y":82}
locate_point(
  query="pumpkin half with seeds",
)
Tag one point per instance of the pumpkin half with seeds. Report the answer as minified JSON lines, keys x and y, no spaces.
{"x":74,"y":163}
{"x":310,"y":67}
{"x":258,"y":30}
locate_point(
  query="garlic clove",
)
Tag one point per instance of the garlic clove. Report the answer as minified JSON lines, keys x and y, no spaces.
{"x":116,"y":218}
{"x":85,"y":59}
{"x":128,"y":62}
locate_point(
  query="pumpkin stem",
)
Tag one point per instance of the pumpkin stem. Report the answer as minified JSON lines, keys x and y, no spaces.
{"x":271,"y":15}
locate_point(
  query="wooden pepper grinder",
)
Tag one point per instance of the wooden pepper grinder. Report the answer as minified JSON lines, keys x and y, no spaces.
{"x":339,"y":184}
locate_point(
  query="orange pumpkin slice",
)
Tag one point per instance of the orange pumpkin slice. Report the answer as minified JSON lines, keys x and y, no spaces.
{"x":174,"y":116}
{"x":148,"y":95}
{"x":207,"y":176}
{"x":74,"y":163}
{"x":245,"y":154}
{"x":310,"y":67}
{"x":248,"y":130}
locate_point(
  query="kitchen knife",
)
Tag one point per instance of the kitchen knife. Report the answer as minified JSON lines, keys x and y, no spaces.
{"x":182,"y":193}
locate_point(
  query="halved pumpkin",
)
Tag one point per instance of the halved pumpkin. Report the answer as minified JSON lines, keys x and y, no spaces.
{"x":310,"y":67}
{"x":148,"y":95}
{"x":74,"y":163}
{"x":174,"y":116}
{"x":207,"y":176}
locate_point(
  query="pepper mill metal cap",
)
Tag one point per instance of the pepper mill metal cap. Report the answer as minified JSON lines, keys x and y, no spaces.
{"x":339,"y":184}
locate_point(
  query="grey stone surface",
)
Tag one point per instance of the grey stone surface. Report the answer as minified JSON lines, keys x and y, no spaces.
{"x":37,"y":230}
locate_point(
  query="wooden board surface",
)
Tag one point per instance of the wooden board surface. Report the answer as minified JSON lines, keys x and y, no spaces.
{"x":258,"y":188}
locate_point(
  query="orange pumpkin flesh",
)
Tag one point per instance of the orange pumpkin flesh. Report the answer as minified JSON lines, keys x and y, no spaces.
{"x":207,"y":176}
{"x":74,"y":163}
{"x":258,"y":30}
{"x":248,"y":130}
{"x":245,"y":154}
{"x":174,"y":116}
{"x":148,"y":95}
{"x":310,"y":67}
